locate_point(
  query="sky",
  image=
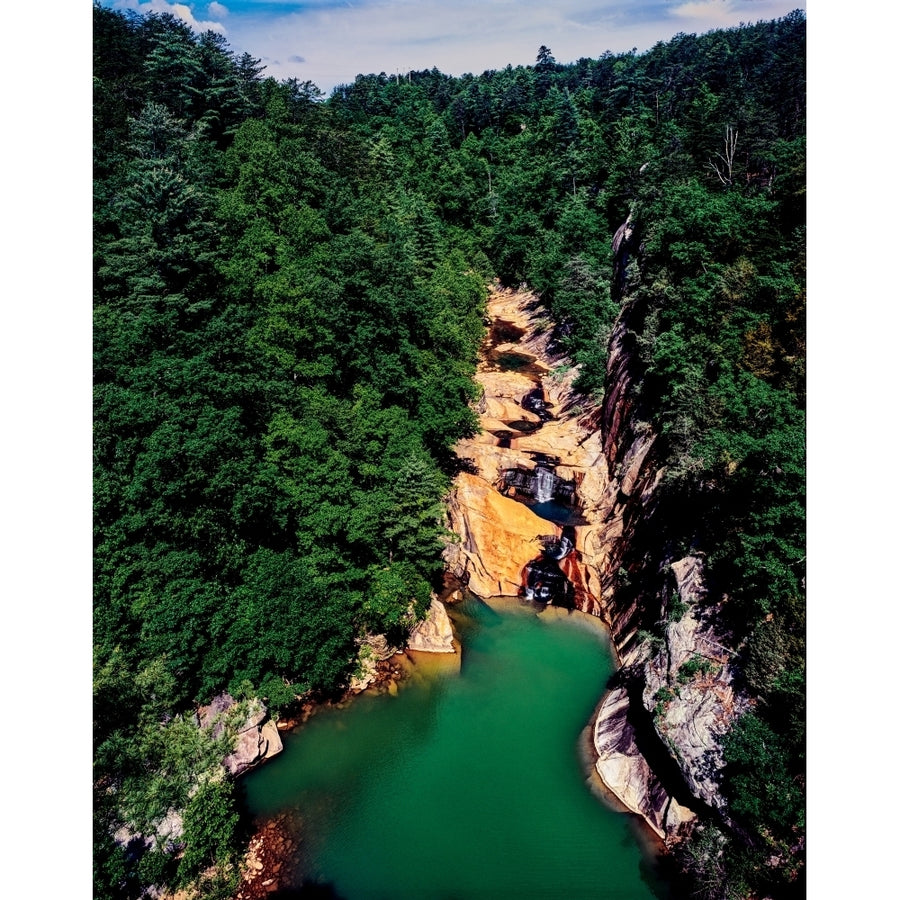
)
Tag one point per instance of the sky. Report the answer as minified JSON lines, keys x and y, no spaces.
{"x":329,"y":42}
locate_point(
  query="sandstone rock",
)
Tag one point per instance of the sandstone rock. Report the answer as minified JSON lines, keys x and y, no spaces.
{"x":622,"y":767}
{"x":434,"y":634}
{"x":271,"y":739}
{"x":498,"y":536}
{"x":373,"y":649}
{"x":563,"y":439}
{"x":488,"y":459}
{"x":626,"y":773}
{"x":366,"y":675}
{"x":506,"y":387}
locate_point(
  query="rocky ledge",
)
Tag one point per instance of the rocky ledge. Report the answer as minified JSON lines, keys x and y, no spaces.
{"x":498,"y":536}
{"x":257,"y":736}
{"x":434,"y":634}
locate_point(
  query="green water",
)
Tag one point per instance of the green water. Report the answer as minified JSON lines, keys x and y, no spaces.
{"x":465,"y":786}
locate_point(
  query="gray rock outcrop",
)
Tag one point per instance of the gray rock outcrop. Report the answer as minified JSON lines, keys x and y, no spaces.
{"x":373,"y":649}
{"x":256,"y":739}
{"x":625,"y":771}
{"x":693,"y":673}
{"x":434,"y":634}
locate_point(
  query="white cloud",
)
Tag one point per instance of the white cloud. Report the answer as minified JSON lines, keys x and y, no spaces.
{"x":717,"y":10}
{"x":218,"y":10}
{"x":339,"y":38}
{"x":179,"y":10}
{"x":722,"y":13}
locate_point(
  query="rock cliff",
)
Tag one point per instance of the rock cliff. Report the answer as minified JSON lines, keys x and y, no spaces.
{"x":434,"y":634}
{"x":677,"y":680}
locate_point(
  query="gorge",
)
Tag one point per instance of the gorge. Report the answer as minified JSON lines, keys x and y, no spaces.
{"x":293,"y":399}
{"x":539,"y":526}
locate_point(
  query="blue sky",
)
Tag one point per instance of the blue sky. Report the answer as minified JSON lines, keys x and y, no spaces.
{"x":329,"y":42}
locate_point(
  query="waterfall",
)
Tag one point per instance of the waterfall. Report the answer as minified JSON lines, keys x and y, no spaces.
{"x":544,"y":482}
{"x":560,"y":548}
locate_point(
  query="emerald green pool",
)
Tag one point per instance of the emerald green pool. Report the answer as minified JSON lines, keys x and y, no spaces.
{"x":465,"y":785}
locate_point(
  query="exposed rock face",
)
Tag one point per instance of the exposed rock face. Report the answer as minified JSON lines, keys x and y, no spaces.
{"x":682,"y":691}
{"x":434,"y":634}
{"x":498,"y":537}
{"x":256,"y":738}
{"x":685,"y":689}
{"x":625,"y":771}
{"x":695,"y":665}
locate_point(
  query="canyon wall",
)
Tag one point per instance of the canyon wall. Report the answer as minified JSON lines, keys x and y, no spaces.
{"x":657,"y":731}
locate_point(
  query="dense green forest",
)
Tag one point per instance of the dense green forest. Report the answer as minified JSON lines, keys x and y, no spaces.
{"x":288,"y":302}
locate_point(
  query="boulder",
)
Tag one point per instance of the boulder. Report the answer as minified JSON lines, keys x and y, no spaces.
{"x":272,"y":740}
{"x":626,"y":773}
{"x":434,"y":634}
{"x":251,"y":745}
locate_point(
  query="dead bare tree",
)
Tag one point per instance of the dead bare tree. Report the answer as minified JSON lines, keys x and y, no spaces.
{"x":725,"y":169}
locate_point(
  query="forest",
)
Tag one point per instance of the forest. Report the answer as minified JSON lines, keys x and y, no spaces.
{"x":289,"y":298}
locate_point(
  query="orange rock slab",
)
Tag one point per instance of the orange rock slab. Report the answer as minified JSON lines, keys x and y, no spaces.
{"x":497,"y":537}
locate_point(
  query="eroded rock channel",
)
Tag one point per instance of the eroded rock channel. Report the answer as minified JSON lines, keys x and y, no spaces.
{"x":519,"y":508}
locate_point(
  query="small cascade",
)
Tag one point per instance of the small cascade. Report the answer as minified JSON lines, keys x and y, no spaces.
{"x":559,"y":547}
{"x":551,"y":497}
{"x":544,"y":579}
{"x":546,"y":583}
{"x":534,"y":402}
{"x":544,"y":483}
